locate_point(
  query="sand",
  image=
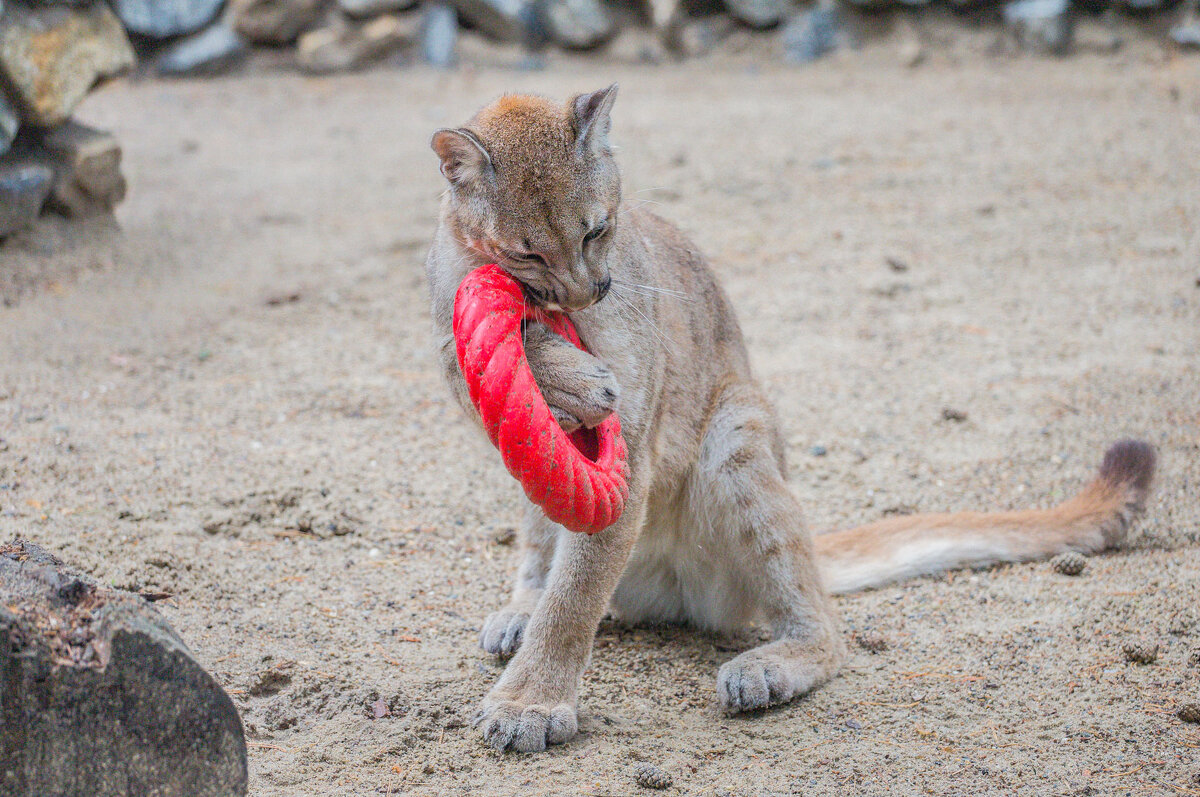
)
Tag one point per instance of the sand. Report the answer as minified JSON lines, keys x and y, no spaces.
{"x":235,"y":402}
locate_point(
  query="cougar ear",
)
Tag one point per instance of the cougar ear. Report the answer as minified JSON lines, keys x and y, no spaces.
{"x":465,"y":162}
{"x":590,"y":113}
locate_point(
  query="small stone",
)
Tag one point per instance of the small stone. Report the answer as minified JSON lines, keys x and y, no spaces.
{"x":10,"y":123}
{"x":24,"y":186}
{"x":1190,"y":712}
{"x":818,"y":451}
{"x":951,"y":414}
{"x":212,"y":52}
{"x":87,"y":166}
{"x":504,"y":536}
{"x":275,"y":21}
{"x":869,"y":640}
{"x":379,"y":709}
{"x":649,"y":776}
{"x":160,"y":19}
{"x":362,"y":9}
{"x":439,"y":35}
{"x":1194,"y":658}
{"x":1140,"y":652}
{"x":1045,"y":26}
{"x":1187,"y":33}
{"x":51,"y":57}
{"x":854,"y":724}
{"x":811,"y":35}
{"x":1069,"y":563}
{"x":896,"y":264}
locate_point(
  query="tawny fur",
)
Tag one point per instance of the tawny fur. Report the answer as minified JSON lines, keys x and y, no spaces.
{"x":711,"y":535}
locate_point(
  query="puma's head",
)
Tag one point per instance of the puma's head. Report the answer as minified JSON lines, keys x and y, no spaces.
{"x":534,"y":187}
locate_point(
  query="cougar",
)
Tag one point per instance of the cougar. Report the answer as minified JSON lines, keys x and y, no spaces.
{"x":711,"y":536}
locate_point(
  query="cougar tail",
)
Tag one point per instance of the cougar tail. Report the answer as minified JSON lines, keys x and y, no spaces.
{"x":903,"y":547}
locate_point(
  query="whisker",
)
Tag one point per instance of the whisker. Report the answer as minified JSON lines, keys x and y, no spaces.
{"x":662,"y":338}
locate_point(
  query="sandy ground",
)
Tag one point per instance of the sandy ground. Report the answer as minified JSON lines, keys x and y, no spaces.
{"x":237,"y":404}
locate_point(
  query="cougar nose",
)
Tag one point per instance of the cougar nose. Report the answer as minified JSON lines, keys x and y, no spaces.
{"x":602,"y":287}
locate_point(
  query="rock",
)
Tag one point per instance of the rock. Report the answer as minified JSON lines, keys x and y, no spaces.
{"x":439,"y":35}
{"x":100,"y":696}
{"x":1140,"y":652}
{"x":757,"y":13}
{"x":952,"y":414}
{"x":360,"y":9}
{"x":818,"y":451}
{"x":211,"y":52}
{"x":1045,"y":26}
{"x":811,"y":34}
{"x":1069,"y":563}
{"x":87,"y":166}
{"x":24,"y":186}
{"x":649,"y":776}
{"x":160,"y":19}
{"x":579,"y":24}
{"x":51,"y":57}
{"x":503,"y":20}
{"x":10,"y":123}
{"x":1190,"y":712}
{"x":342,"y":47}
{"x":1186,"y":33}
{"x":1194,"y":658}
{"x":275,"y":21}
{"x":694,"y":38}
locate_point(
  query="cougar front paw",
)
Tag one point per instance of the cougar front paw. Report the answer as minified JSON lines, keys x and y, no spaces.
{"x":580,"y":390}
{"x":753,"y":681}
{"x":526,"y":728}
{"x":502,"y":632}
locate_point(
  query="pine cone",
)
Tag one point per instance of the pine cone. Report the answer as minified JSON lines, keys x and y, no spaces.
{"x":1140,"y":652}
{"x":1069,"y":563}
{"x":1190,"y":713}
{"x":649,"y":776}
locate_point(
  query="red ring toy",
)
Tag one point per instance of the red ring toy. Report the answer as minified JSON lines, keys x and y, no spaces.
{"x":579,"y":480}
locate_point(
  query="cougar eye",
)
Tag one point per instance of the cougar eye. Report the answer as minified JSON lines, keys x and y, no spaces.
{"x":523,"y":257}
{"x":596,"y":232}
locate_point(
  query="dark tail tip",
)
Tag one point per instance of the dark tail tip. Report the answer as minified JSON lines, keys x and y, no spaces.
{"x":1129,"y":463}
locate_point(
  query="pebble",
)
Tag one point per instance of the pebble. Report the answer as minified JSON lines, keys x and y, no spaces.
{"x":951,"y":414}
{"x":854,"y":724}
{"x":818,"y":451}
{"x":1190,"y":712}
{"x":869,"y":640}
{"x":373,"y":8}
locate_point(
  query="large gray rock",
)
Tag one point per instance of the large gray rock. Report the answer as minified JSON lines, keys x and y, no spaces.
{"x":503,"y":20}
{"x":580,"y":24}
{"x":161,"y":19}
{"x":275,"y":21}
{"x":24,"y":186}
{"x":758,"y":13}
{"x":1045,"y":26}
{"x":212,"y":52}
{"x":87,"y":168}
{"x":439,"y":34}
{"x":812,"y":34}
{"x":51,"y":56}
{"x":10,"y":123}
{"x":100,"y":696}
